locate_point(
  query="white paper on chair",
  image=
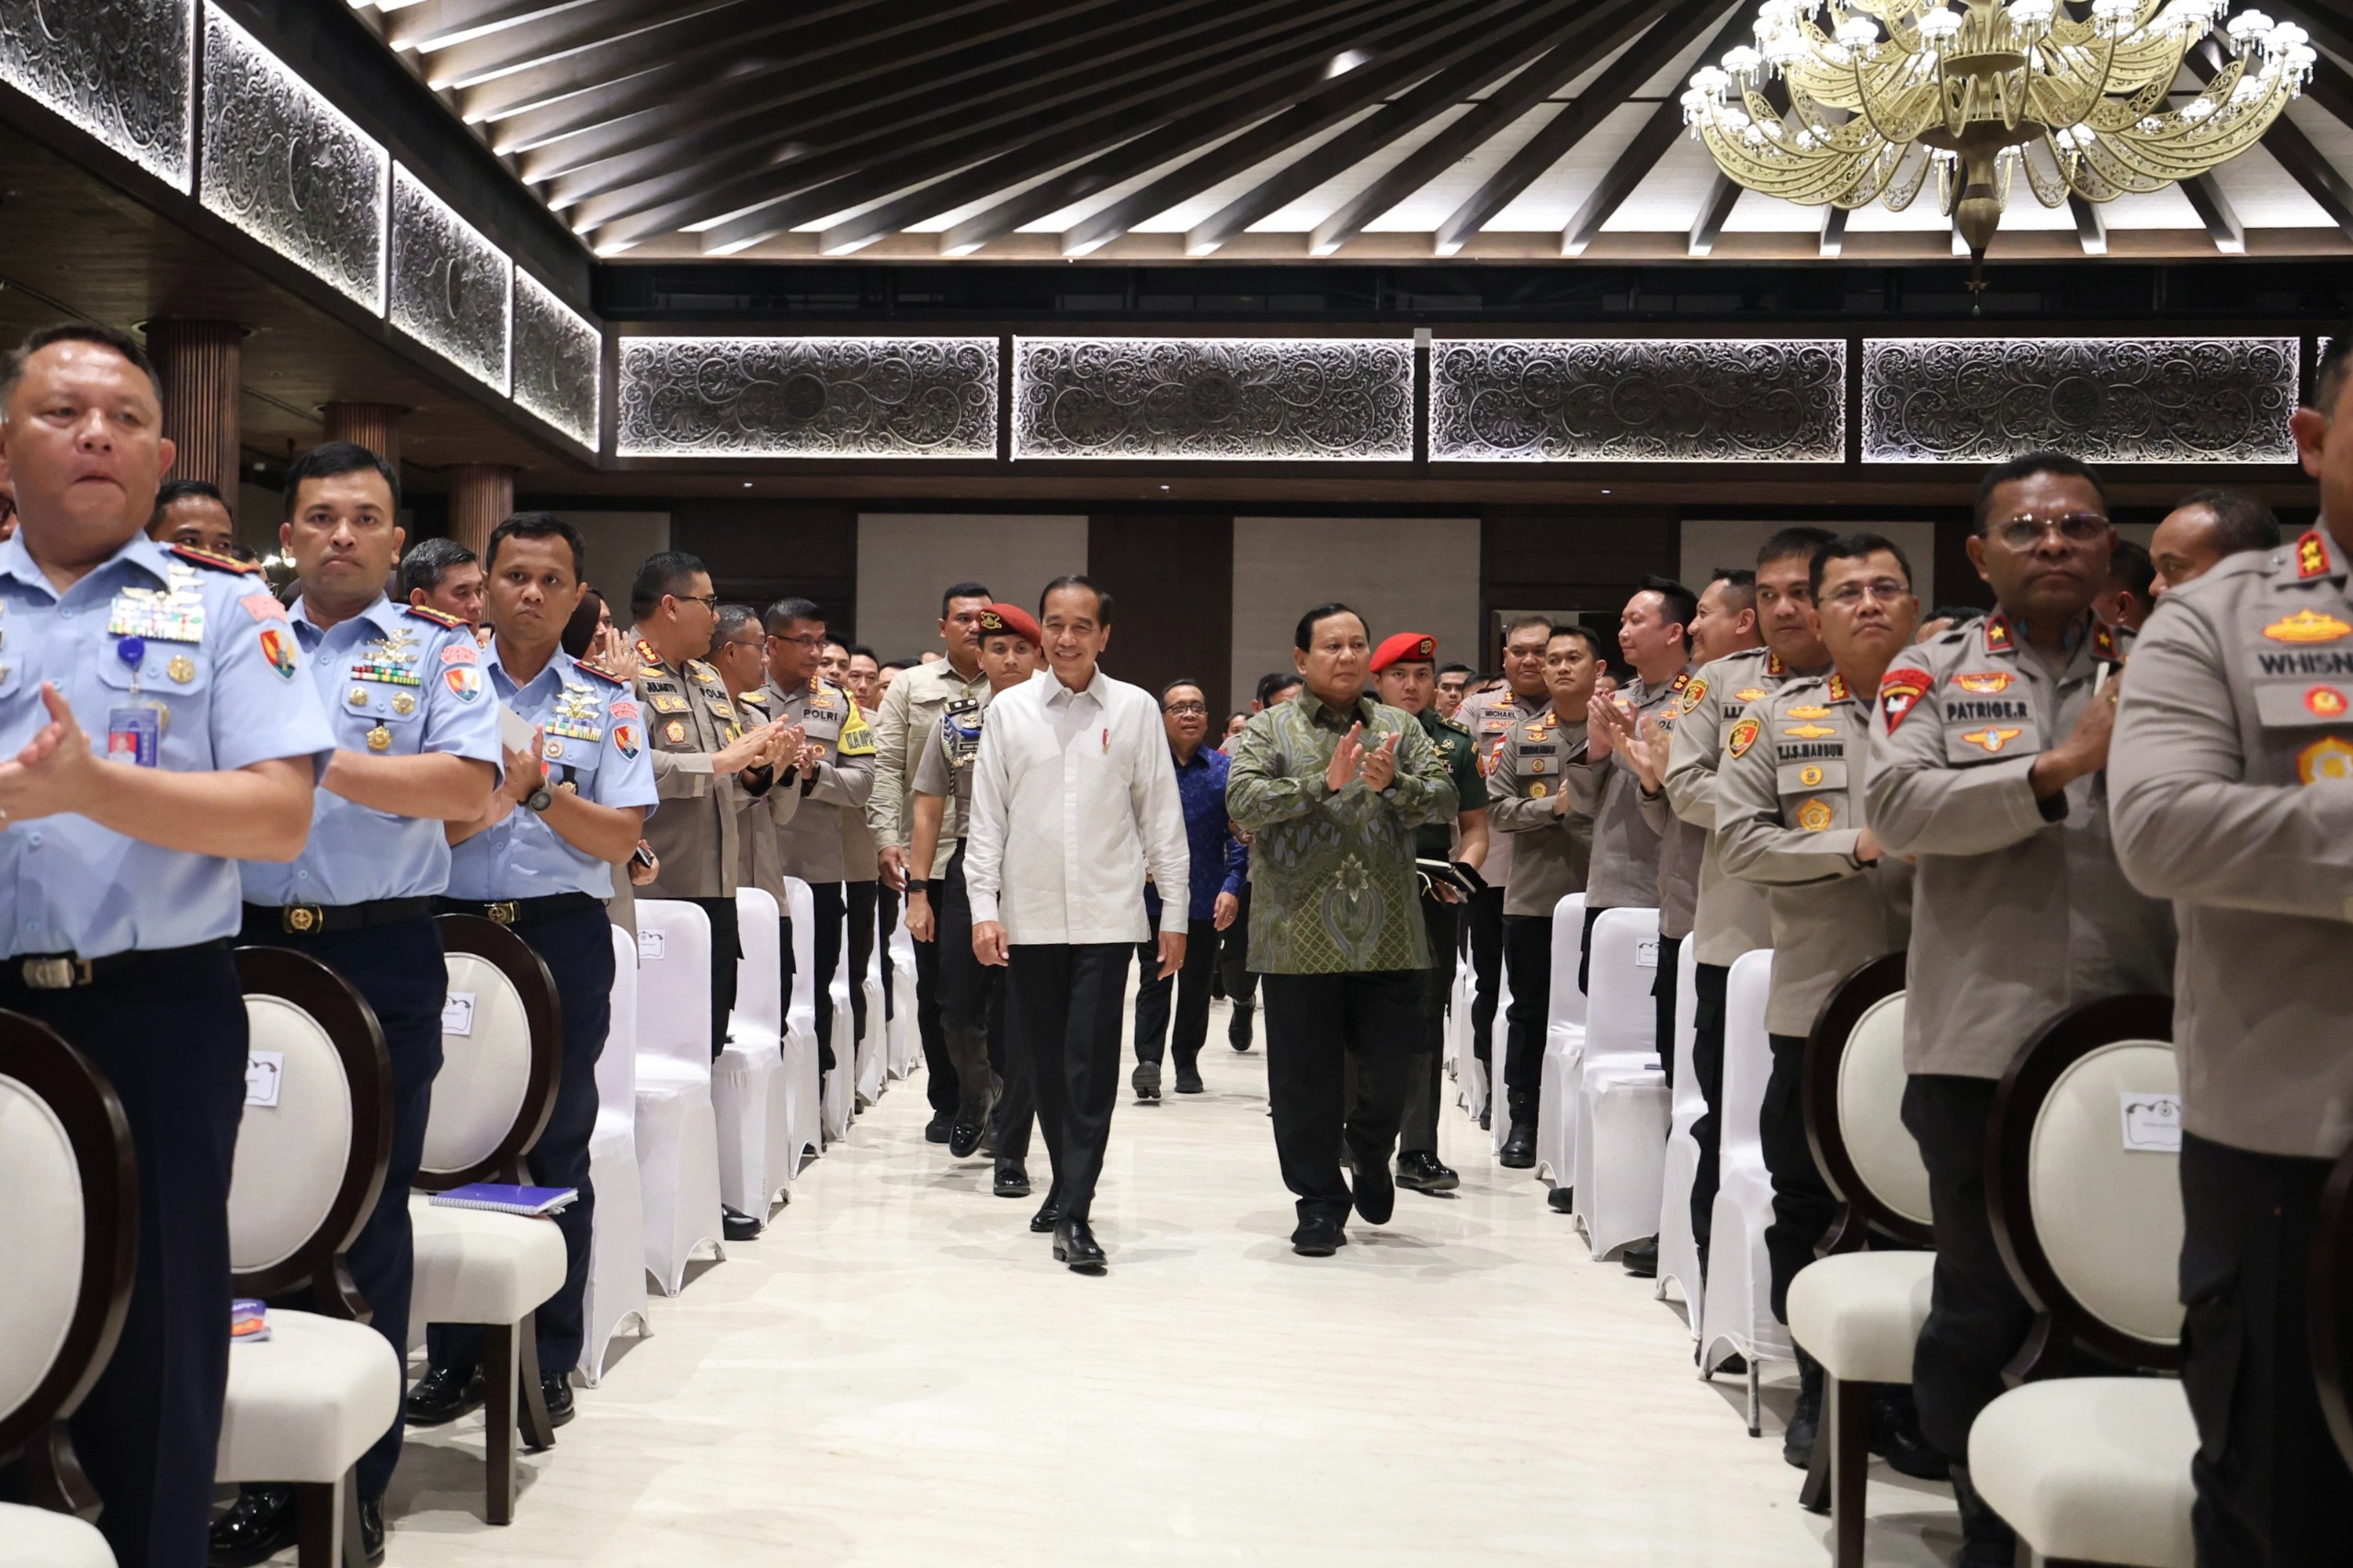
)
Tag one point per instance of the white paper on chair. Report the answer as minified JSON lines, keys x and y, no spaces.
{"x":264,"y":1071}
{"x":1646,"y":954}
{"x":650,"y":944}
{"x":2152,"y":1122}
{"x":457,"y":1014}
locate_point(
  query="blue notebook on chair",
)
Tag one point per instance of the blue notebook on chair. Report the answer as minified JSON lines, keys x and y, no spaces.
{"x":499,"y":1198}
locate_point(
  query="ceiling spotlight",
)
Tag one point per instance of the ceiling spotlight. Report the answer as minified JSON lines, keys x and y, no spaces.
{"x":747,"y":484}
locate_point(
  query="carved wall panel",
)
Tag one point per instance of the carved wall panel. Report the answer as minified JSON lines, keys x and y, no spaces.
{"x":2176,"y":399}
{"x":808,"y":397}
{"x":122,"y":70}
{"x":1656,"y":400}
{"x":1315,"y":399}
{"x":559,"y":361}
{"x":450,"y":288}
{"x":284,"y":166}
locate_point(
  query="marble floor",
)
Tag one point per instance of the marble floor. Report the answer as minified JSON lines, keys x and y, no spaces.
{"x":898,"y":1373}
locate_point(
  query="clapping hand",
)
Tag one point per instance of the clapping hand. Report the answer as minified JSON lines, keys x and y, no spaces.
{"x":1377,"y":765}
{"x":1378,"y":770}
{"x":1645,"y":749}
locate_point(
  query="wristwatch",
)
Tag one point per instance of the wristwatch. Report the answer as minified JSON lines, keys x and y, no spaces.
{"x":539,"y":799}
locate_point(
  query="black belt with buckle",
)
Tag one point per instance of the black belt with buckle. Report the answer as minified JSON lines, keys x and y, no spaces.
{"x":322,"y":920}
{"x":70,"y":972}
{"x":512,"y":912}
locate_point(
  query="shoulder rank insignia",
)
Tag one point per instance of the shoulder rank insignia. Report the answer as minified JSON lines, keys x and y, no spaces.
{"x":2104,"y":642}
{"x":229,"y":563}
{"x":433,"y":616}
{"x":1774,"y":668}
{"x":2312,"y":555}
{"x":1744,"y":735}
{"x":590,"y":667}
{"x":755,"y":698}
{"x":647,"y":659}
{"x":2307,"y":626}
{"x":1997,"y":634}
{"x":1900,"y":692}
{"x":703,"y":673}
{"x":1682,"y":678}
{"x":1838,"y":692}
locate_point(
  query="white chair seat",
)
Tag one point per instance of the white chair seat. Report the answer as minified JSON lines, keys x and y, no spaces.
{"x":475,"y":1267}
{"x":1859,"y":1313}
{"x":305,"y":1403}
{"x":2096,"y":1468}
{"x":35,"y":1538}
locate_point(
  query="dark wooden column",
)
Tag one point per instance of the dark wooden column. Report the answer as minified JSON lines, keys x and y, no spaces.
{"x":375,"y":426}
{"x":1170,"y":576}
{"x":197,"y":365}
{"x":481,"y":496}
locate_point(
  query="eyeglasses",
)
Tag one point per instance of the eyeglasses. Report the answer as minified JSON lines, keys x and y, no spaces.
{"x":812,"y":640}
{"x":1884,"y":590}
{"x":707,"y":601}
{"x":1182,"y":708}
{"x":2024,"y":533}
{"x":742,"y":642}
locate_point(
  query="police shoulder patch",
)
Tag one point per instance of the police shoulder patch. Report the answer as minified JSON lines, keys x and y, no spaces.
{"x":1744,"y":735}
{"x":1900,"y":691}
{"x":217,"y":562}
{"x":433,"y":616}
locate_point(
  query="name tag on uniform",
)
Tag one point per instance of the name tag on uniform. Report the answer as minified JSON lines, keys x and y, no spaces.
{"x":134,"y":735}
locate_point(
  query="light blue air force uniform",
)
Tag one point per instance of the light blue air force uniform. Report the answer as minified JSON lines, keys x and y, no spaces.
{"x":205,"y":652}
{"x":595,"y":737}
{"x":394,"y":682}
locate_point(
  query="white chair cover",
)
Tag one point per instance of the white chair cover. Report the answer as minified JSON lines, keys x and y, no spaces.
{"x":1470,"y":1073}
{"x":907,"y":1040}
{"x":1617,"y":1151}
{"x":744,"y":1081}
{"x":677,"y":1132}
{"x":805,"y":1086}
{"x":1490,"y":1077}
{"x":1454,"y":1042}
{"x":305,"y":1403}
{"x":41,"y":1235}
{"x":840,"y":1091}
{"x":1564,"y":1042}
{"x":1678,"y":1252}
{"x":35,"y":1538}
{"x":616,"y":1295}
{"x":874,"y":1050}
{"x":2092,"y":1469}
{"x":1737,"y":1315}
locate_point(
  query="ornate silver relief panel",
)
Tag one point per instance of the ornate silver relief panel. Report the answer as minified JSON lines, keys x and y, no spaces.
{"x":808,"y":397}
{"x":1238,"y":398}
{"x":121,"y":70}
{"x":2168,"y":400}
{"x":559,"y":369}
{"x":284,"y":166}
{"x":1658,"y":400}
{"x":452,"y":289}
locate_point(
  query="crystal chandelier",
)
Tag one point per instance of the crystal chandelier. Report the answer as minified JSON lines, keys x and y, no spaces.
{"x":2077,"y":97}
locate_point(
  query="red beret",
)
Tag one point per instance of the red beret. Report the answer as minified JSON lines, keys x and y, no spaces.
{"x":1405,"y":647}
{"x":998,"y":619}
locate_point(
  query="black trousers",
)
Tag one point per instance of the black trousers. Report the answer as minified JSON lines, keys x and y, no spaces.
{"x":1062,"y":1005}
{"x":1670,"y":961}
{"x":1190,"y":986}
{"x":1485,"y":919}
{"x":939,"y":1070}
{"x":864,"y":927}
{"x":1977,"y":1319}
{"x":578,"y":951}
{"x":828,"y":907}
{"x":1803,"y":1206}
{"x":1316,"y":1025}
{"x":1233,"y":956}
{"x":887,"y":924}
{"x":1528,"y":949}
{"x":1708,"y":1066}
{"x":1585,"y":950}
{"x":1425,"y":1069}
{"x":726,"y":952}
{"x":2273,"y":1492}
{"x":400,"y":970}
{"x":170,"y":1036}
{"x":971,"y":1003}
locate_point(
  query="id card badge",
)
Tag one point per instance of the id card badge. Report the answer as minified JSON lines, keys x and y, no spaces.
{"x":134,"y":736}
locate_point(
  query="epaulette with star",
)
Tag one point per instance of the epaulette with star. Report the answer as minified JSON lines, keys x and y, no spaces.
{"x":422,"y":613}
{"x":590,"y":667}
{"x":218,"y":562}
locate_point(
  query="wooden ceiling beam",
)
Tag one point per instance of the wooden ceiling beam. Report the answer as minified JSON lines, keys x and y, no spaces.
{"x":1722,"y":197}
{"x":1656,"y":49}
{"x":461,"y":65}
{"x":1833,"y":233}
{"x":2091,"y":225}
{"x":2292,"y":149}
{"x":437,"y":24}
{"x":1641,"y":155}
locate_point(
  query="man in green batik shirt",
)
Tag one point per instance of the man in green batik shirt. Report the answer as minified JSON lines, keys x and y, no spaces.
{"x":1333,"y":785}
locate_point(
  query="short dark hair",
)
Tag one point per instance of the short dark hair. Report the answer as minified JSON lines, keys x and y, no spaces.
{"x":2028,"y":467}
{"x":1077,"y":580}
{"x":1740,"y":585}
{"x":663,"y":574}
{"x":784,"y":612}
{"x":1522,"y":623}
{"x":538,"y":525}
{"x":1184,"y":680}
{"x":1274,"y":681}
{"x":730,"y":617}
{"x":1303,"y":638}
{"x":1585,"y":634}
{"x":430,"y":563}
{"x":1855,"y":547}
{"x":964,"y":591}
{"x":2241,"y":522}
{"x":1793,"y":541}
{"x":332,"y":460}
{"x":1682,"y":604}
{"x":2129,"y":566}
{"x":861,"y":651}
{"x":172,"y":490}
{"x":1959,"y":615}
{"x":12,"y":369}
{"x":2329,"y":377}
{"x":1453,"y":669}
{"x":896,"y":664}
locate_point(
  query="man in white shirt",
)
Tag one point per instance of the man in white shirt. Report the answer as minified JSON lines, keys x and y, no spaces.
{"x":1074,"y":799}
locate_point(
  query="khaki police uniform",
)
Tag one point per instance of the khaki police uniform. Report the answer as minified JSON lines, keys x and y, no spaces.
{"x":1490,"y":717}
{"x":1624,"y":872}
{"x":2021,"y":911}
{"x":2231,"y":772}
{"x":1554,"y":850}
{"x":835,"y":776}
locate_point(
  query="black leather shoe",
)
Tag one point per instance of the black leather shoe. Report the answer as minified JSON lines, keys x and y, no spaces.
{"x":1012,"y":1180}
{"x":1805,"y":1422}
{"x":1237,"y":1029}
{"x":1319,"y":1235}
{"x":936,"y":1131}
{"x":257,"y":1526}
{"x":738,"y":1226}
{"x":1895,"y":1436}
{"x":1561,"y":1200}
{"x":1047,"y":1216}
{"x":438,"y":1397}
{"x":1424,"y":1172}
{"x":1519,"y":1152}
{"x":1075,"y":1245}
{"x":1147,"y":1079}
{"x":971,"y":1121}
{"x":555,"y":1392}
{"x":1374,"y":1194}
{"x":371,"y":1528}
{"x":1189,"y":1078}
{"x":1640,"y":1260}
